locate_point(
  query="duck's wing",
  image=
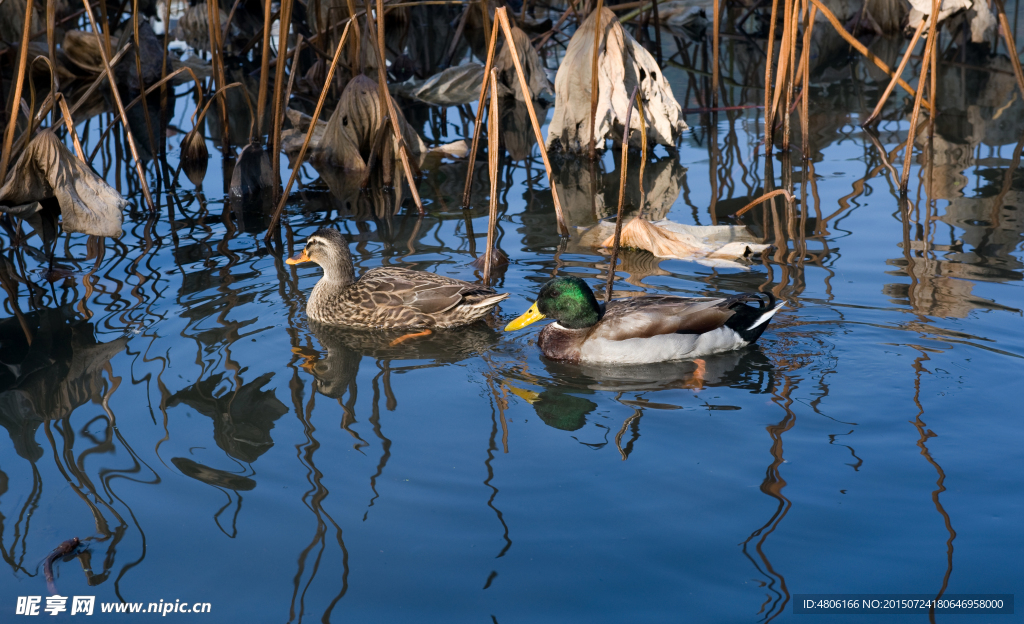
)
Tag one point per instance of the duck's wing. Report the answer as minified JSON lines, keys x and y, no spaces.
{"x":427,"y":293}
{"x":655,"y":315}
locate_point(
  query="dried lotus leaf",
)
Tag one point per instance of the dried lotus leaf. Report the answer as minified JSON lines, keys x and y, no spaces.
{"x":724,"y":246}
{"x":49,"y":169}
{"x":355,"y":124}
{"x":642,"y":234}
{"x":622,"y":64}
{"x":82,"y":49}
{"x":252,"y":172}
{"x":193,"y":28}
{"x":533,"y":69}
{"x":454,"y":86}
{"x":12,"y":19}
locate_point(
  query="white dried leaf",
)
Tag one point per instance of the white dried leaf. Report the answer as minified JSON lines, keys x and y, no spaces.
{"x":622,"y":64}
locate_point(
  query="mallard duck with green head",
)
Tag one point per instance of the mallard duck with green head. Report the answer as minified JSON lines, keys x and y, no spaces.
{"x":642,"y":330}
{"x":387,"y":297}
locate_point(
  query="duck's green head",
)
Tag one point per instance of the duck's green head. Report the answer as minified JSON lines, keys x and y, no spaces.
{"x":568,"y":300}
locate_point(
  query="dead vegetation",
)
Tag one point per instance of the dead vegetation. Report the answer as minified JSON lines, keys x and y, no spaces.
{"x":327,"y":82}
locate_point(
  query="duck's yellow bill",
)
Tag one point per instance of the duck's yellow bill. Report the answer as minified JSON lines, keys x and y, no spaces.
{"x":299,"y":258}
{"x":530,"y":316}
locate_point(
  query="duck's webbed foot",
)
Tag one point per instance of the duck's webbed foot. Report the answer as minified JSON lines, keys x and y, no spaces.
{"x":307,"y":358}
{"x":401,"y":339}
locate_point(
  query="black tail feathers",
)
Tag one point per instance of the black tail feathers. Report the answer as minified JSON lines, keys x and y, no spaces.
{"x":748,"y":321}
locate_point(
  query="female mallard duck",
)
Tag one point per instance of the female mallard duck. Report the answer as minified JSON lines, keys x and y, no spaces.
{"x":387,"y":297}
{"x":641,"y":330}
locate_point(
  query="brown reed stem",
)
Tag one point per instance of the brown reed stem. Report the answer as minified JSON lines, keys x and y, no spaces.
{"x":280,"y":104}
{"x":714,"y":60}
{"x":857,"y":45}
{"x":120,"y":110}
{"x":12,"y":121}
{"x":164,"y":81}
{"x":622,"y":193}
{"x":70,"y":124}
{"x":493,"y":117}
{"x":51,"y":39}
{"x":479,"y":116}
{"x":805,"y":64}
{"x":769,"y":116}
{"x":764,"y":198}
{"x":563,"y":229}
{"x":261,"y":98}
{"x":354,"y":58}
{"x":99,"y":79}
{"x":309,"y":134}
{"x":899,"y":71}
{"x":595,"y":84}
{"x":1010,"y":45}
{"x":782,"y":70}
{"x":643,"y":152}
{"x":917,"y":110}
{"x":486,"y":15}
{"x":447,"y":60}
{"x":794,"y":20}
{"x":138,"y":70}
{"x":213,"y":31}
{"x":382,"y":79}
{"x":933,"y":61}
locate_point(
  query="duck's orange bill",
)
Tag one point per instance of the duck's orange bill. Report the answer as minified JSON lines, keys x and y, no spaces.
{"x":299,"y":258}
{"x":530,"y":316}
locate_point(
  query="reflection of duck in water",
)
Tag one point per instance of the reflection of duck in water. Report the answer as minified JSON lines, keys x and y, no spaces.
{"x":387,"y":297}
{"x":336,"y":367}
{"x":562,"y":404}
{"x":639,"y":330}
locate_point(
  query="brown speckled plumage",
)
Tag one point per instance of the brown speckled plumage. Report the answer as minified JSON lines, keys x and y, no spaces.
{"x":388,"y":297}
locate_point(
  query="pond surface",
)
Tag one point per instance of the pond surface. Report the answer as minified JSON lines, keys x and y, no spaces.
{"x":176,"y":411}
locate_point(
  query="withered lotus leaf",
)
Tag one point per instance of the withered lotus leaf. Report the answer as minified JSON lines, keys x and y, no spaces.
{"x":622,"y":64}
{"x":355,"y":124}
{"x":49,"y":169}
{"x":726,"y":246}
{"x":82,"y":49}
{"x":454,"y":86}
{"x":533,"y":69}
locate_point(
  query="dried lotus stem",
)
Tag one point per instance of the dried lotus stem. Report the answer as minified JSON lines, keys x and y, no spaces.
{"x":280,"y":104}
{"x":479,"y":116}
{"x":492,"y":160}
{"x":643,"y":151}
{"x":389,"y":107}
{"x":764,"y":198}
{"x":1010,"y":45}
{"x":99,"y":79}
{"x":503,"y":17}
{"x":918,"y":101}
{"x":594,"y":83}
{"x":769,"y":118}
{"x":857,"y":45}
{"x":309,"y":133}
{"x":261,"y":98}
{"x":18,"y":85}
{"x":138,"y":70}
{"x":70,"y":124}
{"x":622,"y":193}
{"x":899,"y":71}
{"x":714,"y":47}
{"x":120,"y":109}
